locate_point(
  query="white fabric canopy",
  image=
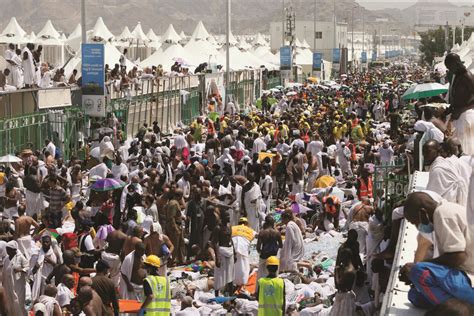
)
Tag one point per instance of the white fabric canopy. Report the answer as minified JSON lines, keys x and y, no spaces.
{"x":13,"y":28}
{"x":139,"y":34}
{"x":13,"y":33}
{"x":199,"y":51}
{"x":125,"y":36}
{"x":76,"y":32}
{"x":166,"y":57}
{"x":259,"y":41}
{"x":170,"y":35}
{"x":49,"y":31}
{"x":100,"y":31}
{"x":182,"y":35}
{"x":49,"y":36}
{"x":200,"y":32}
{"x":152,"y":36}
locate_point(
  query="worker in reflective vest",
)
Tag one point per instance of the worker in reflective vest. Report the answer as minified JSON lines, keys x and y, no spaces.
{"x":157,"y":290}
{"x":271,"y":291}
{"x":364,"y":190}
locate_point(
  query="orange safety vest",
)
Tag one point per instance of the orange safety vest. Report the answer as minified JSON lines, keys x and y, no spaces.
{"x":365,"y":190}
{"x":331,"y":209}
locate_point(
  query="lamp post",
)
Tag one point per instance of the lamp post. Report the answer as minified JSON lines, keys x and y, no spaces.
{"x":352,"y":40}
{"x":227,"y":57}
{"x":83,"y":21}
{"x":283,"y":24}
{"x":314,"y":26}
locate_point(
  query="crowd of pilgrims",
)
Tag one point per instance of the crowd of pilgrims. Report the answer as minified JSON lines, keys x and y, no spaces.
{"x":206,"y":194}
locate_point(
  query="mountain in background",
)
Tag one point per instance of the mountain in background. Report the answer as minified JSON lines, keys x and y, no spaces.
{"x":248,"y":16}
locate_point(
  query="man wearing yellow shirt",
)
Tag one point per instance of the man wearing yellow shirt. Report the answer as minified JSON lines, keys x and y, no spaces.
{"x":242,"y":235}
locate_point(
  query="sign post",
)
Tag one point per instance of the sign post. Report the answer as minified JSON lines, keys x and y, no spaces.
{"x":363,"y":59}
{"x":285,"y":63}
{"x":93,"y":79}
{"x":317,"y":61}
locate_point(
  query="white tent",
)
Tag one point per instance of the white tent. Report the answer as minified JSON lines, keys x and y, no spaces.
{"x":13,"y":33}
{"x":139,"y":34}
{"x":183,"y":36}
{"x":48,"y":31}
{"x":244,"y":45}
{"x":199,"y":51}
{"x":303,"y":56}
{"x":170,"y":36}
{"x":261,"y":51}
{"x":305,"y":44}
{"x":298,"y":43}
{"x":77,"y":32}
{"x":32,"y":36}
{"x":152,"y":36}
{"x":242,"y":60}
{"x":259,"y":41}
{"x":271,"y":58}
{"x":125,"y":36}
{"x":165,"y":58}
{"x":200,"y":32}
{"x":100,"y":32}
{"x":154,"y":40}
{"x":212,"y":40}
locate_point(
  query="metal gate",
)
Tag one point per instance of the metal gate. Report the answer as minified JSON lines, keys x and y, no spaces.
{"x":390,"y":186}
{"x":64,"y":127}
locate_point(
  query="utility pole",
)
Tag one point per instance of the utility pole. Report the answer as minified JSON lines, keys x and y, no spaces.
{"x":454,"y":36}
{"x":363,"y":37}
{"x":227,"y":57}
{"x":334,"y":18}
{"x":290,"y":34}
{"x":83,"y":21}
{"x":352,"y":40}
{"x":446,"y":37}
{"x":283,"y":15}
{"x":314,"y":26}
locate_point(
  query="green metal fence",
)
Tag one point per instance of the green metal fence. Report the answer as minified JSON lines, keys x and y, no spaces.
{"x":390,"y":185}
{"x":30,"y":131}
{"x":191,"y":108}
{"x":272,"y":82}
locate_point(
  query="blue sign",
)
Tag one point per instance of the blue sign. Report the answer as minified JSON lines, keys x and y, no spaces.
{"x":336,"y":55}
{"x":285,"y":57}
{"x":93,"y":73}
{"x":363,"y":57}
{"x":317,"y":60}
{"x":374,"y":56}
{"x":93,"y":79}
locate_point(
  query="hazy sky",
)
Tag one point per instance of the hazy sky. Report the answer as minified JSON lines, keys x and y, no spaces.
{"x":401,"y":4}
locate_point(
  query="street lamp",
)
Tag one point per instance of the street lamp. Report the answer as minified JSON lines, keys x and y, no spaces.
{"x":352,"y":40}
{"x":227,"y":57}
{"x":83,"y":21}
{"x":314,"y":26}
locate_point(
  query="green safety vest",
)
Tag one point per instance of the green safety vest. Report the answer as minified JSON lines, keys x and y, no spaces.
{"x":270,"y":296}
{"x":161,"y":302}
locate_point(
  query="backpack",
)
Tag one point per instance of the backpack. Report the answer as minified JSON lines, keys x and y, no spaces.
{"x":69,"y":241}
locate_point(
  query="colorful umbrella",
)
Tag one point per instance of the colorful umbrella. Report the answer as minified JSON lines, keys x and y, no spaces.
{"x":107,"y":184}
{"x":424,"y":90}
{"x":324,"y":182}
{"x":10,"y":159}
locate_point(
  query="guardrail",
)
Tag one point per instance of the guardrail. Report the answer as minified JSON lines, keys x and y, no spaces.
{"x":395,"y":301}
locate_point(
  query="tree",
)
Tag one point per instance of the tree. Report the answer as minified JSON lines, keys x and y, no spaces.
{"x":433,"y":42}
